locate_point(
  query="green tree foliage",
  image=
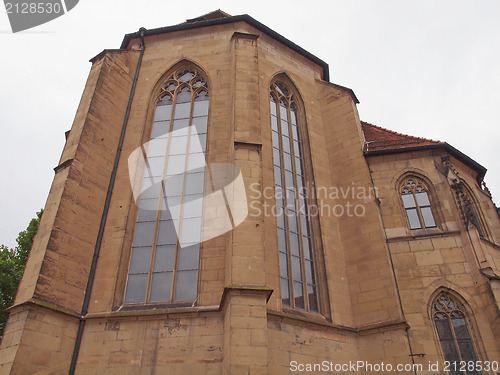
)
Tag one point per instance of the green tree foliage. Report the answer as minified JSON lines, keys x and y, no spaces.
{"x":12,"y":262}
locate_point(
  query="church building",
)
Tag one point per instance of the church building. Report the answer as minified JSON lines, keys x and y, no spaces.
{"x":220,"y":208}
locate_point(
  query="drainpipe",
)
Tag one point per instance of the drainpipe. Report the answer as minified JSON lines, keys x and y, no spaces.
{"x":412,"y":356}
{"x":107,"y":202}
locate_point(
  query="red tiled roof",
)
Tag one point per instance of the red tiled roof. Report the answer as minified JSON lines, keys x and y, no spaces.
{"x":377,"y":138}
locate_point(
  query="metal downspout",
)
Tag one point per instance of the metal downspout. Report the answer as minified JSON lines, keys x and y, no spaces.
{"x":412,"y":356}
{"x":107,"y":202}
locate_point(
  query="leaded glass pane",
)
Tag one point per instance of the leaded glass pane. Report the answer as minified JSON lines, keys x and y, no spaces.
{"x":192,"y":206}
{"x":196,"y":142}
{"x":287,"y":160}
{"x":200,"y":109}
{"x":194,"y":183}
{"x":139,"y":261}
{"x":285,"y":293}
{"x":274,"y":123}
{"x":284,"y":128}
{"x":292,"y":223}
{"x":184,"y":96}
{"x":427,"y":216}
{"x":196,"y":161}
{"x":298,"y":293}
{"x":283,"y":111}
{"x":163,"y":113}
{"x":276,"y":157}
{"x":180,"y":128}
{"x":294,"y":244}
{"x":276,"y":140}
{"x":145,"y":214}
{"x":443,"y":328}
{"x":154,"y":167}
{"x":296,"y":269}
{"x":408,"y":200}
{"x":306,"y":242}
{"x":294,"y":118}
{"x":186,"y":77}
{"x":298,"y":166}
{"x":160,"y":286}
{"x":166,"y":232}
{"x":191,"y":228}
{"x":283,"y":264}
{"x":273,"y":107}
{"x":152,"y":192}
{"x":136,"y":288}
{"x":296,"y":148}
{"x":160,"y":129}
{"x":422,"y":199}
{"x":157,"y":147}
{"x":178,"y":146}
{"x":200,"y":125}
{"x":164,"y":258}
{"x":309,"y":272}
{"x":281,"y":240}
{"x":413,"y":218}
{"x":182,"y":110}
{"x":289,"y":179}
{"x":189,"y":257}
{"x":313,"y":303}
{"x":202,"y":96}
{"x":286,"y":144}
{"x":277,"y":176}
{"x":280,"y":217}
{"x":175,"y":164}
{"x":143,"y":234}
{"x":186,"y":285}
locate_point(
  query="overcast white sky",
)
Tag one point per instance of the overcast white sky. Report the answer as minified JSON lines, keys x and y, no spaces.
{"x":424,"y":68}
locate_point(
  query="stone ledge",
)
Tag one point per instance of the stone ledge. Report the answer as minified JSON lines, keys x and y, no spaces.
{"x":47,"y":305}
{"x":321,"y":321}
{"x":152,"y":311}
{"x":424,"y":233}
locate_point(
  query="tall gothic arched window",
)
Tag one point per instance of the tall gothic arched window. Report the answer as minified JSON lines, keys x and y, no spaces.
{"x":415,"y":197}
{"x":454,"y":334}
{"x":165,"y":251}
{"x":296,"y":261}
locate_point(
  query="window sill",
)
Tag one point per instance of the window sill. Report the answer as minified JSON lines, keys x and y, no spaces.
{"x":419,"y":233}
{"x":153,"y":310}
{"x":320,"y":320}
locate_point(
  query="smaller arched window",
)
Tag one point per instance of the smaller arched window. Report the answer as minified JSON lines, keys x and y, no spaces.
{"x":415,"y":197}
{"x":454,"y":334}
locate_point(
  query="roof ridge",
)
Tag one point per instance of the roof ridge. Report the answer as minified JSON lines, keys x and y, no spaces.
{"x":203,"y":17}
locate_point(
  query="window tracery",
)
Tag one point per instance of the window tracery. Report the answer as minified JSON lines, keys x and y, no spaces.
{"x":415,"y":197}
{"x":453,"y":332}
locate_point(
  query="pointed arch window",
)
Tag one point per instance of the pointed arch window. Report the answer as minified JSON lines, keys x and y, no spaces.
{"x":454,"y":334}
{"x":415,"y":197}
{"x":296,"y":261}
{"x":166,"y":245}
